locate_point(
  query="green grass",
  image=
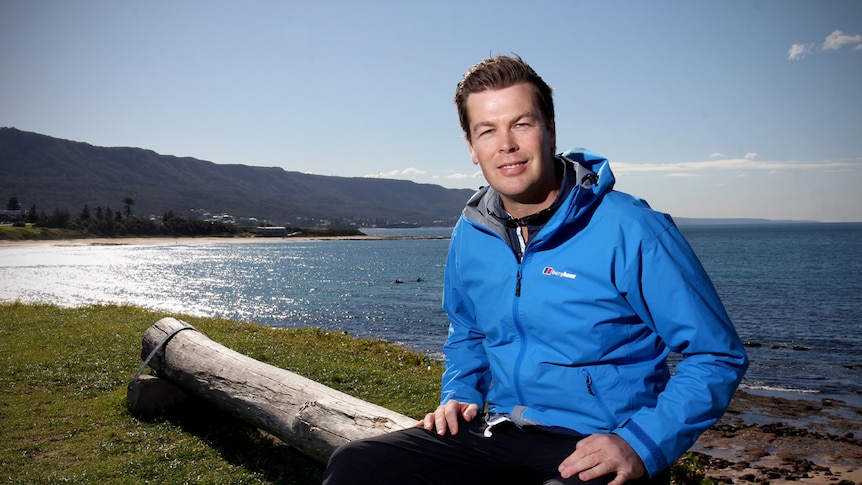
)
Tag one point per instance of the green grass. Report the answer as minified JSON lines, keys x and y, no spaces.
{"x":31,"y":232}
{"x":35,"y":233}
{"x":13,"y":233}
{"x":63,"y":417}
{"x":63,"y":390}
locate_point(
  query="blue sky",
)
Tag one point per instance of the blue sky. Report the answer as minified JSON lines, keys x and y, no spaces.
{"x":705,"y":109}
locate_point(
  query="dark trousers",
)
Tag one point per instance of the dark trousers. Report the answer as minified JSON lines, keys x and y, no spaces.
{"x":512,"y":455}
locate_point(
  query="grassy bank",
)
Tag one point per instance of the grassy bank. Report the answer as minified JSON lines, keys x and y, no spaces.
{"x":62,"y":399}
{"x":34,"y":233}
{"x":63,"y":417}
{"x":14,"y":233}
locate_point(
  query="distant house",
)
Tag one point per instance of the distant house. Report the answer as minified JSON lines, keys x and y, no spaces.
{"x":11,"y":215}
{"x":272,"y":231}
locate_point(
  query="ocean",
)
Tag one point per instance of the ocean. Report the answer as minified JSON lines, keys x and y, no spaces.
{"x":794,"y":291}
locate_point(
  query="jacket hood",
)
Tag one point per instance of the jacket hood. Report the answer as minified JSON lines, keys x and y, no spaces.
{"x":587,"y":174}
{"x":596,"y":164}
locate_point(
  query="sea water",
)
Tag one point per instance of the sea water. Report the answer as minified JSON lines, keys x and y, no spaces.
{"x":794,"y":291}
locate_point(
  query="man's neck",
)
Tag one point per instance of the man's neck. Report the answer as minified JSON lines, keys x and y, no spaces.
{"x":520,"y":210}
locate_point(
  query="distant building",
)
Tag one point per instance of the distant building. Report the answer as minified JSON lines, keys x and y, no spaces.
{"x":224,"y":219}
{"x":11,"y":215}
{"x":272,"y":231}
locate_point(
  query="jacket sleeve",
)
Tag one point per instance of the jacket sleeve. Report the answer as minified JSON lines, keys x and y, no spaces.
{"x":672,"y":293}
{"x":466,"y":378}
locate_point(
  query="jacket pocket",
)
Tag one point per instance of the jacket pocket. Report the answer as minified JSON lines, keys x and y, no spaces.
{"x":593,"y":390}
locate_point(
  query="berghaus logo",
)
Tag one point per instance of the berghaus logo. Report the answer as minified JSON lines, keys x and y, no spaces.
{"x":552,"y":272}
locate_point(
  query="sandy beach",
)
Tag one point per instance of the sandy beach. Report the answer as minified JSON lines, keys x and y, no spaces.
{"x":167,"y":241}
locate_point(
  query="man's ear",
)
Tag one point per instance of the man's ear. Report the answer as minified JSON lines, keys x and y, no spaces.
{"x":472,"y":152}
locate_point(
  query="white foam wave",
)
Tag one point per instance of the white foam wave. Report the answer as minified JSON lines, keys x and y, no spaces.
{"x":754,"y":387}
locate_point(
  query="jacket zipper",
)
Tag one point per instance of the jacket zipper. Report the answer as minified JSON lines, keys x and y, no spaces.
{"x":599,"y":402}
{"x":519,"y":360}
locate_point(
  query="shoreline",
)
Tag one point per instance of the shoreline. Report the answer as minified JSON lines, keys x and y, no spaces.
{"x":171,"y":241}
{"x":770,"y":439}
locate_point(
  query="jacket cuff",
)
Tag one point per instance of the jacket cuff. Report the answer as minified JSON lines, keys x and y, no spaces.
{"x":647,"y":449}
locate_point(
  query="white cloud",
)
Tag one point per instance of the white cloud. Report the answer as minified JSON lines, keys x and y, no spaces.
{"x":380,"y":175}
{"x":459,"y":176}
{"x":716,"y":155}
{"x":838,"y":39}
{"x":834,"y":41}
{"x":396,"y":173}
{"x":798,"y":51}
{"x":735,"y":164}
{"x":448,"y":179}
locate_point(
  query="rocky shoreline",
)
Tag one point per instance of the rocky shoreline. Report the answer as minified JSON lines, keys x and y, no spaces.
{"x":769,"y":440}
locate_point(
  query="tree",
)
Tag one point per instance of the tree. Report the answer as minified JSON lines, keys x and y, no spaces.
{"x":60,"y":219}
{"x":13,"y":204}
{"x":85,"y":213}
{"x":128,"y":202}
{"x":32,"y":215}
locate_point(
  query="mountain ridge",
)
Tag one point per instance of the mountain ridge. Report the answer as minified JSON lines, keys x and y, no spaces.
{"x":56,"y":173}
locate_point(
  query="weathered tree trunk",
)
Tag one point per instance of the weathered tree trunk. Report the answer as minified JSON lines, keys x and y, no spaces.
{"x":305,"y":414}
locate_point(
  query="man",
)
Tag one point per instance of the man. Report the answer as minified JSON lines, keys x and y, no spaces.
{"x":565,"y":298}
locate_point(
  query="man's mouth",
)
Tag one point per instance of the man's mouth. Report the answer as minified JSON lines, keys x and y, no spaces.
{"x":511,"y":165}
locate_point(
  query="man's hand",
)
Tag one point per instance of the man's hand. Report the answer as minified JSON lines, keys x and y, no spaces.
{"x":446,"y":417}
{"x":601,"y":454}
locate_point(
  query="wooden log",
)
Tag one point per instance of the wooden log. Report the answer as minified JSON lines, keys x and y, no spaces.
{"x":303,"y":413}
{"x":149,"y":396}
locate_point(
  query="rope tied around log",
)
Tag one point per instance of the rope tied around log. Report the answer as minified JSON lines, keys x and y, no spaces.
{"x":161,"y":344}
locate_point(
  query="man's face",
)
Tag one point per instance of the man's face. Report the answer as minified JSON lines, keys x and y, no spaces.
{"x":513,"y":146}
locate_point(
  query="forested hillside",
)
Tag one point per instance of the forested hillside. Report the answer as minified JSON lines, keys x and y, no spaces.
{"x":52,"y":173}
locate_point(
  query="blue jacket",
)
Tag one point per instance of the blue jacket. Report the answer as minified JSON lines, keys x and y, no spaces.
{"x":577,"y":334}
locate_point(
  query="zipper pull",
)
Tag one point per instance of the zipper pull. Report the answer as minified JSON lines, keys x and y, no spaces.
{"x":590,"y":385}
{"x":518,"y":284}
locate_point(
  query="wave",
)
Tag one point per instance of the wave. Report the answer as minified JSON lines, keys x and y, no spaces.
{"x":765,"y":388}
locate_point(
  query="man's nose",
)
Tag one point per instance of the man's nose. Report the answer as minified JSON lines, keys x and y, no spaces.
{"x":508,"y":143}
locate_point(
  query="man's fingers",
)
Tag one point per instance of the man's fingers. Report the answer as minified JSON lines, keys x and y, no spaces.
{"x":619,"y":480}
{"x":447,"y":419}
{"x":603,"y":454}
{"x":428,"y":422}
{"x":447,"y":416}
{"x":471,"y":412}
{"x":575,"y":464}
{"x":596,"y":471}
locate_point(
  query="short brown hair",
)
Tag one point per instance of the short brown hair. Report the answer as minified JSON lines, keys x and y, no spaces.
{"x":498,"y":73}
